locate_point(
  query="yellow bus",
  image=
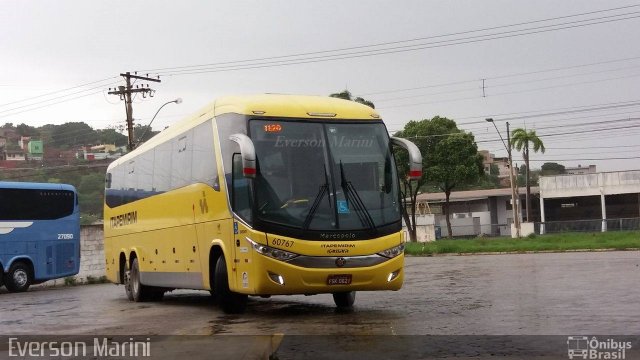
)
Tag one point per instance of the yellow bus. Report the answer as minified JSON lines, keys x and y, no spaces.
{"x":260,"y":195}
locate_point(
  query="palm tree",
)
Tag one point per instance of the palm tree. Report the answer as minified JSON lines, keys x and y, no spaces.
{"x":522,"y":140}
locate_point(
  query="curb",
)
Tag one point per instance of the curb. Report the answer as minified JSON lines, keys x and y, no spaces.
{"x":522,"y":252}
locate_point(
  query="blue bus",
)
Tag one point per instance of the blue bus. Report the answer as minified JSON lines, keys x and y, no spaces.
{"x":39,"y":233}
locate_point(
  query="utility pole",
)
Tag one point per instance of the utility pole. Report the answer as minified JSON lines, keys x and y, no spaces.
{"x":125,"y":94}
{"x":514,"y":199}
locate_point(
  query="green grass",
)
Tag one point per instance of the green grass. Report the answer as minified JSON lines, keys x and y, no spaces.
{"x":70,"y":281}
{"x":97,"y":280}
{"x":555,"y":242}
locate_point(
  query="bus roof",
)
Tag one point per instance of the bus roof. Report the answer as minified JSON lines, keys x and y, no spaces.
{"x":35,"y":185}
{"x":293,"y":106}
{"x":267,"y":105}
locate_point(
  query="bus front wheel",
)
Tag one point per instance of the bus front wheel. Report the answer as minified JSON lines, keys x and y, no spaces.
{"x":344,"y":300}
{"x":231,"y":302}
{"x":19,"y":277}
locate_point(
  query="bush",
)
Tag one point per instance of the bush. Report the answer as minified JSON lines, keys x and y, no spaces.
{"x":94,"y":280}
{"x":70,"y":281}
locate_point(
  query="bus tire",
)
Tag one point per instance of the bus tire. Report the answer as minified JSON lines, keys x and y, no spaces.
{"x":344,"y":300}
{"x":140,"y":292}
{"x":231,"y":302}
{"x":127,"y":283}
{"x":19,"y":277}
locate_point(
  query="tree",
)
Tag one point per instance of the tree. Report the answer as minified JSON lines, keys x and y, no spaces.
{"x":91,"y":193}
{"x":551,"y":168}
{"x":449,"y":156}
{"x":46,"y":132}
{"x":143,"y":133}
{"x":485,"y":181}
{"x":72,"y":134}
{"x":455,"y":162}
{"x":346,"y":95}
{"x":111,"y":136}
{"x":523,"y":140}
{"x":26,"y":130}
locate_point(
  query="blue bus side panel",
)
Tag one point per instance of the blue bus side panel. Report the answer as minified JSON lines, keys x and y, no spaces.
{"x":47,"y":244}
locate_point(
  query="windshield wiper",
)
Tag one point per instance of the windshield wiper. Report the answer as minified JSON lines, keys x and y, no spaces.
{"x":351,"y":194}
{"x":324,"y":188}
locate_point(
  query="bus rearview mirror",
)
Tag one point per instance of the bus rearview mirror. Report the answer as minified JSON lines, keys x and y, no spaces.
{"x":248,"y":152}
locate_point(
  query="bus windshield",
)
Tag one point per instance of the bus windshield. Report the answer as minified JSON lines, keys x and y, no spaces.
{"x":324,"y":175}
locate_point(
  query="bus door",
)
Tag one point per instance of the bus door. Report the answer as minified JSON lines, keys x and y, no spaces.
{"x":241,"y":204}
{"x":242,"y":257}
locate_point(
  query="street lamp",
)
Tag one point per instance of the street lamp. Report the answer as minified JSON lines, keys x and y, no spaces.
{"x":177,"y":101}
{"x":514,"y":207}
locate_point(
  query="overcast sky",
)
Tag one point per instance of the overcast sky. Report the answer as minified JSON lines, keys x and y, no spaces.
{"x":430,"y":60}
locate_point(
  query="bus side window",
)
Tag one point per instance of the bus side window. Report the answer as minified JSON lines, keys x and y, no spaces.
{"x":241,"y":194}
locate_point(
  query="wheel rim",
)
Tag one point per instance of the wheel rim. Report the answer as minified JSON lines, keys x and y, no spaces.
{"x":20,"y":277}
{"x":135,"y":284}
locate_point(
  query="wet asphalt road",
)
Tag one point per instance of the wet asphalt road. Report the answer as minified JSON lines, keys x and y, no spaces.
{"x":530,"y":294}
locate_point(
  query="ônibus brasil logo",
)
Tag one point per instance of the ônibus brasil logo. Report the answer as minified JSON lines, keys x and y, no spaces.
{"x":581,"y":347}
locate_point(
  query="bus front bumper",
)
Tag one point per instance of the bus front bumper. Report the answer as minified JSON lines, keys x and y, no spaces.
{"x":274,"y":277}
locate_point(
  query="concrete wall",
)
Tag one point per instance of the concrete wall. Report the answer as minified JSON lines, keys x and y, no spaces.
{"x":470,"y":206}
{"x":466,"y":226}
{"x":618,"y":182}
{"x":425,"y":228}
{"x":489,"y":212}
{"x":91,"y":255}
{"x":504,"y":216}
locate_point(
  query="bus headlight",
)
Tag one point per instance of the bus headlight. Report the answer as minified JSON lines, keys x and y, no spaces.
{"x":271,"y":252}
{"x":392,"y":252}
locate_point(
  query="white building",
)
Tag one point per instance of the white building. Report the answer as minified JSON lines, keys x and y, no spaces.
{"x":591,"y":201}
{"x":580,"y":170}
{"x":473,"y":213}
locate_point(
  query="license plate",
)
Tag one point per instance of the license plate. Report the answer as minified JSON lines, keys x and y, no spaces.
{"x":342,"y":279}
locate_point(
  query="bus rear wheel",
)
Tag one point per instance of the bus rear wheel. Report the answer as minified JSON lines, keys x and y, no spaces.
{"x":344,"y":300}
{"x":19,"y":277}
{"x":231,"y":302}
{"x":138,"y":292}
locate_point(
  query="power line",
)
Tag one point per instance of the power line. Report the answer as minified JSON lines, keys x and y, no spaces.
{"x":390,"y":42}
{"x":52,"y":99}
{"x":544,"y":112}
{"x":57,"y":91}
{"x":515,"y":75}
{"x":573,"y":110}
{"x":47,"y":105}
{"x":498,"y":94}
{"x":265,"y":62}
{"x":508,"y":93}
{"x":536,"y":124}
{"x":592,"y":147}
{"x":586,"y":159}
{"x":552,"y":127}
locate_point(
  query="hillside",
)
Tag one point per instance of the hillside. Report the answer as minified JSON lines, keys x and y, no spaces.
{"x":71,"y":153}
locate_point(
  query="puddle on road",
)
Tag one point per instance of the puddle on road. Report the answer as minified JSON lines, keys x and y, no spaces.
{"x":269,"y":316}
{"x":11,"y":322}
{"x":61,"y":310}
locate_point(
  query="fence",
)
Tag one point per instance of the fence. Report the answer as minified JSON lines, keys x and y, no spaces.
{"x":461,"y":231}
{"x":548,"y":227}
{"x":596,"y":225}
